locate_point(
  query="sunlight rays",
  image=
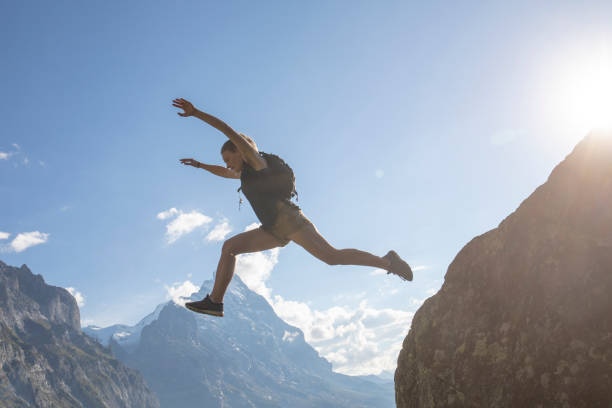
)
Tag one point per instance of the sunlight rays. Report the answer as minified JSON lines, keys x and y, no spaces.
{"x":585,"y":92}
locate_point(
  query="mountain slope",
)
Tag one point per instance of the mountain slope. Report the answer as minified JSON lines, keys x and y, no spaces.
{"x":45,"y":359}
{"x":249,"y":358}
{"x":125,"y":335}
{"x":523,"y":317}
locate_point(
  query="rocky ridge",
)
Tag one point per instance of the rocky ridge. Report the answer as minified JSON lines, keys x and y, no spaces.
{"x":523,"y":317}
{"x":45,"y":359}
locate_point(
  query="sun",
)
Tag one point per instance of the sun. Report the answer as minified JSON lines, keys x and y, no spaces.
{"x":586,"y":97}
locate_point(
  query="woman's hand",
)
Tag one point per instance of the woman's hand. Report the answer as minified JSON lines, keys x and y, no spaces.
{"x":191,"y":162}
{"x":185,"y":105}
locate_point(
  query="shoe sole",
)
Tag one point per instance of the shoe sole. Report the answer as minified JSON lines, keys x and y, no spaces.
{"x":208,"y":312}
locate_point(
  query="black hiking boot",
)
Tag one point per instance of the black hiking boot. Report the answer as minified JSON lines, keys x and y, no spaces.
{"x":206,"y":306}
{"x":398,"y":266}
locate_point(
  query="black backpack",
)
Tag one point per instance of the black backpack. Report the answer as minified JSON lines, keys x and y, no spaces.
{"x":280,"y":180}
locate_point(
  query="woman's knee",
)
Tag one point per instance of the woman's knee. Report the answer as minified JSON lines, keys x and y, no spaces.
{"x":333,"y":257}
{"x":230,"y":248}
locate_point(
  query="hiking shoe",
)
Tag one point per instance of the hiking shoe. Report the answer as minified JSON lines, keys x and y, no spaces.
{"x":206,"y":306}
{"x":398,"y":266}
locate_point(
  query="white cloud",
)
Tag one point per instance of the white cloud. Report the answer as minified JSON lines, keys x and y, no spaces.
{"x":290,"y":336}
{"x":219,"y":232}
{"x":343,"y":297}
{"x":183,"y":224}
{"x":391,"y":286}
{"x":356,"y":341}
{"x":167,"y":214}
{"x":416,"y":302}
{"x":252,"y":226}
{"x":78,"y":296}
{"x":180,"y":290}
{"x":378,"y":272}
{"x":380,"y":173}
{"x":4,"y":235}
{"x":21,"y":159}
{"x":432,"y":291}
{"x":254,"y":269}
{"x":27,"y":239}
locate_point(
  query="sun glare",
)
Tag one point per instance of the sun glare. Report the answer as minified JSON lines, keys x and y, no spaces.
{"x":587,"y":94}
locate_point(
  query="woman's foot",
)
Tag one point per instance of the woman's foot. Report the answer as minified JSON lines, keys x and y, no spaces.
{"x":206,"y":306}
{"x":398,"y":266}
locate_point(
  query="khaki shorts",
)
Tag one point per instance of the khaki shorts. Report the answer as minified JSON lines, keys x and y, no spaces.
{"x":290,"y":219}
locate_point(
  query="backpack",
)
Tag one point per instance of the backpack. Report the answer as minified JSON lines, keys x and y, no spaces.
{"x":280,"y":179}
{"x":283,"y":179}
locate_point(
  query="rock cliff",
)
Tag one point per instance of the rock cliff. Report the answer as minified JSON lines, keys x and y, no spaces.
{"x":524,"y":318}
{"x":45,"y":359}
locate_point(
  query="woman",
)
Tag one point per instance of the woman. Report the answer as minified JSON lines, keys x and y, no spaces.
{"x":282,"y":221}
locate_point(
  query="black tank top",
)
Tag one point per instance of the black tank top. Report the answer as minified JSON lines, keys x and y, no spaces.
{"x":261,"y":195}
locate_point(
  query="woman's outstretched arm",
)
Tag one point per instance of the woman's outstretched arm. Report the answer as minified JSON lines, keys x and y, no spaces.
{"x":216,"y":170}
{"x":249,"y":152}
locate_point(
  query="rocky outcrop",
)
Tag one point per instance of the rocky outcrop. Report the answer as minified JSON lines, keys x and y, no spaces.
{"x":524,"y":318}
{"x":45,"y":359}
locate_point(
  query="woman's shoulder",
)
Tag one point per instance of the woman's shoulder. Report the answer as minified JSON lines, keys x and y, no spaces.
{"x":261,"y":162}
{"x":248,"y":168}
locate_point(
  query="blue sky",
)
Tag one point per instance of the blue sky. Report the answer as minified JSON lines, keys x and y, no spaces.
{"x":409,"y":126}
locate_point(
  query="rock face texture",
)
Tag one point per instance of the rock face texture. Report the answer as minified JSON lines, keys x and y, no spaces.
{"x":524,"y":318}
{"x":45,"y":359}
{"x":248,"y":358}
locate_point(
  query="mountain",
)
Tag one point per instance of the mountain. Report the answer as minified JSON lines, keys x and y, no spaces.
{"x":45,"y":359}
{"x":523,"y":318}
{"x":126,"y":336}
{"x":248,"y":358}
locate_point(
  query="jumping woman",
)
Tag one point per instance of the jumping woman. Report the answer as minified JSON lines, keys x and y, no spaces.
{"x":268,"y":184}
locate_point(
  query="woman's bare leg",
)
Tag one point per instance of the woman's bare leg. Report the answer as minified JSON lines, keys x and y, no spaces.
{"x":250,"y":241}
{"x":309,"y":238}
